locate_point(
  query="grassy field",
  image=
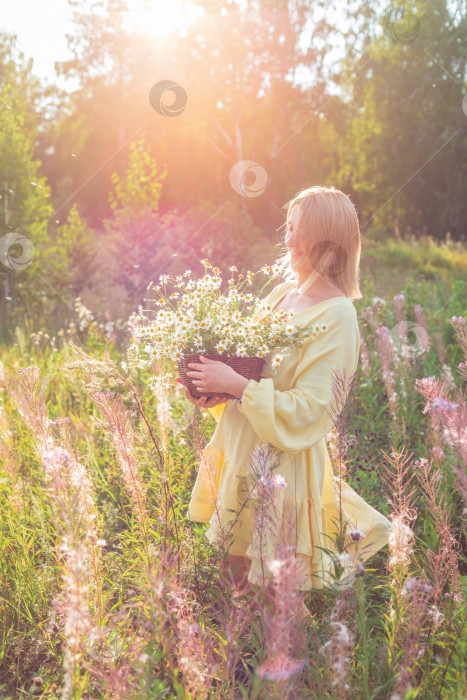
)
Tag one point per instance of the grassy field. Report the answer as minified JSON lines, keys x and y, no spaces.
{"x":109,"y":591}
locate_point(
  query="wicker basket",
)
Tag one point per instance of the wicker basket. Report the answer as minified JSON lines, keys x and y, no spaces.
{"x":249,"y":367}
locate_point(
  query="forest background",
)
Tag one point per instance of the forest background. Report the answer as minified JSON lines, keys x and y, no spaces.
{"x":103,"y":189}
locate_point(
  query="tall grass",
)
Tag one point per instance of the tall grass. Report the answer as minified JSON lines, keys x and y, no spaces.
{"x":109,"y":591}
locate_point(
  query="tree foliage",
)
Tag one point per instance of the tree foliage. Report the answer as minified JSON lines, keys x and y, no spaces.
{"x":24,"y":195}
{"x":137,"y":191}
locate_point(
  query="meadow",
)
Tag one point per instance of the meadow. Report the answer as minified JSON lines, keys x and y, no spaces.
{"x":109,"y":591}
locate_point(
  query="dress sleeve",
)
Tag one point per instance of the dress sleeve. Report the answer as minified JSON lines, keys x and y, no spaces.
{"x":296,"y":419}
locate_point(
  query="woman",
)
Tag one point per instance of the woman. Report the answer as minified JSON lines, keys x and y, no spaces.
{"x":291,"y":413}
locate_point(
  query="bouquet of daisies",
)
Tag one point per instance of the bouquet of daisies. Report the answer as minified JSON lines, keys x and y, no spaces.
{"x":195,"y":317}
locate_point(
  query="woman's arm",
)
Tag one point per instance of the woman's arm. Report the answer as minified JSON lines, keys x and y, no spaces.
{"x":296,"y":419}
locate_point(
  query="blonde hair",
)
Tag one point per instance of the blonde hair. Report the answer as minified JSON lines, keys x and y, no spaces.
{"x":329,"y":229}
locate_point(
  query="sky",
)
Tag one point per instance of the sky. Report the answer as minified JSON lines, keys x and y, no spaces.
{"x":41,"y":27}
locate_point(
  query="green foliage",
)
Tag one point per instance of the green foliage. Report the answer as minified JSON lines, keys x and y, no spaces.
{"x":406,"y":123}
{"x":137,"y":240}
{"x":142,"y":185}
{"x":74,"y":252}
{"x":24,"y":194}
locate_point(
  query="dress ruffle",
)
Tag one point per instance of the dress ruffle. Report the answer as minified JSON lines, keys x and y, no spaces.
{"x":237,"y":524}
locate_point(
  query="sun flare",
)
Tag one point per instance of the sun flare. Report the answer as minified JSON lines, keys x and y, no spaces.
{"x":160,"y":18}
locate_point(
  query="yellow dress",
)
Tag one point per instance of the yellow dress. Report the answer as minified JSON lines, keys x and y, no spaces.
{"x":279,"y":428}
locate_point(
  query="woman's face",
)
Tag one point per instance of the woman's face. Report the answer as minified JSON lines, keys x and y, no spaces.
{"x":298,"y":257}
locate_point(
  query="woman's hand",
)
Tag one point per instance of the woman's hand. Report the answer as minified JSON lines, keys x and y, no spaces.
{"x":213,"y":375}
{"x":203,"y":401}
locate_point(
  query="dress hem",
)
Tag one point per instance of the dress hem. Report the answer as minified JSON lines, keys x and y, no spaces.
{"x":320,"y":569}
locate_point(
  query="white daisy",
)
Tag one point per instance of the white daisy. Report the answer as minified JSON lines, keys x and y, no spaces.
{"x":276,"y":360}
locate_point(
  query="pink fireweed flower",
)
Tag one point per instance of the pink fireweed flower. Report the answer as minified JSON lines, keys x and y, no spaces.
{"x":399,"y":312}
{"x":399,"y":542}
{"x":440,"y":406}
{"x":280,"y":668}
{"x":29,"y":396}
{"x":451,"y":416}
{"x":341,"y":646}
{"x":429,"y":387}
{"x":398,"y":303}
{"x":420,"y":316}
{"x":356,"y":535}
{"x":436,"y":615}
{"x":447,"y":377}
{"x":278,"y":480}
{"x":460,"y":327}
{"x":440,"y":348}
{"x":437,"y":453}
{"x":282,"y":633}
{"x":414,"y":585}
{"x":76,"y":609}
{"x":70,"y":487}
{"x":360,"y":571}
{"x":364,"y":355}
{"x":161,"y":384}
{"x":119,"y":422}
{"x":388,"y":357}
{"x":413,"y":611}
